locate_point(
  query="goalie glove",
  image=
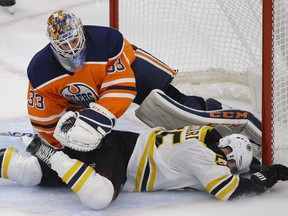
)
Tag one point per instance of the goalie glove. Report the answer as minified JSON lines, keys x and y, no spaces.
{"x":83,"y":130}
{"x":270,"y":175}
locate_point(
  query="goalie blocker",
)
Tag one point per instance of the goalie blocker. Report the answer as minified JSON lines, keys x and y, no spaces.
{"x":158,"y":109}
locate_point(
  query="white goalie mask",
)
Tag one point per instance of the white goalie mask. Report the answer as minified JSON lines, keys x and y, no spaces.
{"x":65,"y":33}
{"x":241,"y":152}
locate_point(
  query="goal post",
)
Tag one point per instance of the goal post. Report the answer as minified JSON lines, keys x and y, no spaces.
{"x":114,"y":13}
{"x":243,"y":45}
{"x":275,"y":81}
{"x":267,"y":82}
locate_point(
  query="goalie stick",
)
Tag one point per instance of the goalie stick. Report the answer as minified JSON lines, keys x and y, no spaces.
{"x":17,"y":134}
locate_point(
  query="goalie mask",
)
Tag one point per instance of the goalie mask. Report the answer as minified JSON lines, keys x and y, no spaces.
{"x":65,"y":33}
{"x":241,"y":152}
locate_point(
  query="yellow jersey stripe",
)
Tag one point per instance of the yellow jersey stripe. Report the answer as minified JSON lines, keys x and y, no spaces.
{"x":203,"y":133}
{"x":142,"y":163}
{"x":228,"y":188}
{"x":6,"y":161}
{"x":141,"y":168}
{"x":151,"y":159}
{"x":71,"y":171}
{"x":211,"y":185}
{"x":83,"y":179}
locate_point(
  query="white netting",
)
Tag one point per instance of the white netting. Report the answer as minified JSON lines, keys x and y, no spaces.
{"x":280,"y":82}
{"x":214,"y":41}
{"x":207,"y":41}
{"x":196,"y":35}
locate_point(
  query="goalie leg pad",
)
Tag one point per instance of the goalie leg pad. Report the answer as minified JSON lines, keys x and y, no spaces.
{"x":160,"y":110}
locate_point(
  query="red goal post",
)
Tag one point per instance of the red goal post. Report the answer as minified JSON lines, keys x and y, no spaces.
{"x":267,"y":141}
{"x":227,"y":41}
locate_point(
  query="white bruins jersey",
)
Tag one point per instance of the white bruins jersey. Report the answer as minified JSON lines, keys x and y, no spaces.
{"x":175,"y":159}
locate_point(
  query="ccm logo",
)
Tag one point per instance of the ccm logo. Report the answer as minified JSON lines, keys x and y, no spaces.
{"x":230,"y":115}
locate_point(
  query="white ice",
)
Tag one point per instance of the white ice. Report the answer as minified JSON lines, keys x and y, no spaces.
{"x":21,"y":36}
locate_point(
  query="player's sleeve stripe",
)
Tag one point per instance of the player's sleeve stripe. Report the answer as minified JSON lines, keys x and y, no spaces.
{"x":211,"y":185}
{"x":226,"y":191}
{"x":118,"y":81}
{"x":223,"y":187}
{"x":43,"y":125}
{"x":6,"y":161}
{"x":44,"y":131}
{"x":220,"y":186}
{"x":130,"y":88}
{"x":47,"y":118}
{"x":118,"y":95}
{"x":141,"y":54}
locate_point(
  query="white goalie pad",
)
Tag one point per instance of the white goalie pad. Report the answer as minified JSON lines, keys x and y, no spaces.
{"x":158,"y":109}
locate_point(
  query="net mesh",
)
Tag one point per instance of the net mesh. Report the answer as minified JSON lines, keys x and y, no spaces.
{"x":215,"y":41}
{"x":280,"y":82}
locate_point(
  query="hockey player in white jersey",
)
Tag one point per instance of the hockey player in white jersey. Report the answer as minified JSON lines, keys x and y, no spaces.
{"x":197,"y":157}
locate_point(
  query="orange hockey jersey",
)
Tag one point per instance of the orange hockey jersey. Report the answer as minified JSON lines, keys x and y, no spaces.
{"x":106,"y":79}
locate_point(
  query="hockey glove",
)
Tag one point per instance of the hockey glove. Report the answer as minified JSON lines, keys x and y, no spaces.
{"x":269,"y":176}
{"x":84,"y":129}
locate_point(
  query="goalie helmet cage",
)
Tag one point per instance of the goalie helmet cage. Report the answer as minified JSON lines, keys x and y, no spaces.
{"x":242,"y":42}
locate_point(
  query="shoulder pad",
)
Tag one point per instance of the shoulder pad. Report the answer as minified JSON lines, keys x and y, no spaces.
{"x":44,"y":67}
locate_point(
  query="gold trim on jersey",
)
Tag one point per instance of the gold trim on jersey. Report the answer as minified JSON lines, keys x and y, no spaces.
{"x":6,"y":161}
{"x":203,"y":133}
{"x":146,"y":167}
{"x":228,"y":188}
{"x":223,"y":187}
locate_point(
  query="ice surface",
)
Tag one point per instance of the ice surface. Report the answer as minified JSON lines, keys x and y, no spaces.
{"x":22,"y":35}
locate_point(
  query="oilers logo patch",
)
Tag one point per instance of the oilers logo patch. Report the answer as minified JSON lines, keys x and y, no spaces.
{"x":80,"y":93}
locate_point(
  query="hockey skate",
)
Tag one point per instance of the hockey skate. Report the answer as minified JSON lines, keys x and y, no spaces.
{"x":40,"y":149}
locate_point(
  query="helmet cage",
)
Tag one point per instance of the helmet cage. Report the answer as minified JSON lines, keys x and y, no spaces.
{"x":74,"y":63}
{"x":64,"y":28}
{"x":66,"y":38}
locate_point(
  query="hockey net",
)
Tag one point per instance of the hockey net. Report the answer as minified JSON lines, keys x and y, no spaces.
{"x":216,"y":43}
